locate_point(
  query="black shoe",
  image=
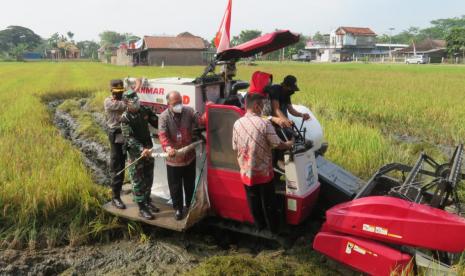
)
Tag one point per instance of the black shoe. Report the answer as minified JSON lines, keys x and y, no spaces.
{"x":178,"y":215}
{"x":152,"y":207}
{"x":145,"y":213}
{"x":118,"y":203}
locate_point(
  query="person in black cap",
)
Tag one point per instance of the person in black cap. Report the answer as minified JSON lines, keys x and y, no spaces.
{"x":281,"y":99}
{"x":114,"y":108}
{"x":281,"y":104}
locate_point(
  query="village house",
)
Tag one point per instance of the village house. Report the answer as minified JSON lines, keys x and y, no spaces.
{"x":434,"y":49}
{"x":64,"y":50}
{"x":345,"y":44}
{"x":183,"y":49}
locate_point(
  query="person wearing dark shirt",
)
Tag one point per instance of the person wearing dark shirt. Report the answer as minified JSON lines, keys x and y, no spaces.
{"x":281,"y":102}
{"x":281,"y":105}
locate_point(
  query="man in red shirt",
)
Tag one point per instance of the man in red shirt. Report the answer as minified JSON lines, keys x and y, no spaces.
{"x":253,"y":139}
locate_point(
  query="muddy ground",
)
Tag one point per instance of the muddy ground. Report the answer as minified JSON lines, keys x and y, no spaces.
{"x":165,"y":253}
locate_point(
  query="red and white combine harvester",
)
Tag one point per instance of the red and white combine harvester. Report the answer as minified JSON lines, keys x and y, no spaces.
{"x":388,"y":224}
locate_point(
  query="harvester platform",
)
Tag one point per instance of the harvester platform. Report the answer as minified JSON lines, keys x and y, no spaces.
{"x":164,"y":218}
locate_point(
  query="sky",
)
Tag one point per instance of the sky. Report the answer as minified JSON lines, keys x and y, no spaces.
{"x":87,"y":18}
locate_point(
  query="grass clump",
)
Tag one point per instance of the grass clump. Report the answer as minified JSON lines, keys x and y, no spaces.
{"x":87,"y":125}
{"x":244,"y":264}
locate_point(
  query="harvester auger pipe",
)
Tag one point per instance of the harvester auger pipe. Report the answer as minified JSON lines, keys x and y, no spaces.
{"x":162,"y":154}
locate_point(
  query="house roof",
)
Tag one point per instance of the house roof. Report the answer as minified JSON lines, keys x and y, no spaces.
{"x":427,"y":45}
{"x":182,"y":41}
{"x":69,"y":46}
{"x":355,"y":31}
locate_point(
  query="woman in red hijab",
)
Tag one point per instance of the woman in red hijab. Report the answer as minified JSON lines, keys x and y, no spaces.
{"x":260,"y":84}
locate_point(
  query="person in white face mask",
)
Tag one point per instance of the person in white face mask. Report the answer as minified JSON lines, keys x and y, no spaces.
{"x":175,"y":126}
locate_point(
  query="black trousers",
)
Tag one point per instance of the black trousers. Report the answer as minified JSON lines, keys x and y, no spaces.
{"x":117,"y":162}
{"x":179,"y":177}
{"x":262,"y":203}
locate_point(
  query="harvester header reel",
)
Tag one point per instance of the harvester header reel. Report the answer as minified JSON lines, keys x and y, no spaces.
{"x":427,"y":182}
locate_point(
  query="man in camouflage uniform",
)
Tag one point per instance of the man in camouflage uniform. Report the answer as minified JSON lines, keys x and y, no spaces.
{"x":134,"y":125}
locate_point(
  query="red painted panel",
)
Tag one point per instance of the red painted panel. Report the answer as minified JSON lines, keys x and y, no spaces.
{"x":360,"y":254}
{"x":227,"y":195}
{"x":398,"y":221}
{"x":304,"y":206}
{"x":225,"y":188}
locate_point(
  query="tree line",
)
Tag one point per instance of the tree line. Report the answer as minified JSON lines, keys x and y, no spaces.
{"x":15,"y":41}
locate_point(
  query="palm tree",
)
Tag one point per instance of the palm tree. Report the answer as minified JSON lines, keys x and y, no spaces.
{"x":70,"y":35}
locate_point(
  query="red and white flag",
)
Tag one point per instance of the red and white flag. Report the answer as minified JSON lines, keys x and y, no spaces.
{"x":222,"y":36}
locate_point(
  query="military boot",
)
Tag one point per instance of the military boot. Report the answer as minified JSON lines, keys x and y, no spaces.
{"x":118,"y":203}
{"x":144,"y":212}
{"x":152,"y":207}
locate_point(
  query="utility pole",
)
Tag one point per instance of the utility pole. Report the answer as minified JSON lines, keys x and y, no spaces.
{"x":390,"y":41}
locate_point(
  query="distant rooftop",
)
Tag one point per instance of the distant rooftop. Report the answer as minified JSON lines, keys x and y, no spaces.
{"x":182,"y":41}
{"x":355,"y":30}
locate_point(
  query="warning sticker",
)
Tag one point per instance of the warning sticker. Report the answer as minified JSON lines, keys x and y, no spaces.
{"x":360,"y":250}
{"x":353,"y":247}
{"x":292,"y":204}
{"x":381,"y":230}
{"x":349,"y":247}
{"x":368,"y":228}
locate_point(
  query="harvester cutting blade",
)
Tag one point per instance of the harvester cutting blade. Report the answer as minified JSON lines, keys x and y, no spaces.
{"x":431,"y":266}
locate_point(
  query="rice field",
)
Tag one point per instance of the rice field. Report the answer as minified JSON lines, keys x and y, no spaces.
{"x":47,"y":195}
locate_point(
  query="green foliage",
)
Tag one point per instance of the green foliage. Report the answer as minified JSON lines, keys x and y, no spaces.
{"x":53,"y":40}
{"x":15,"y":40}
{"x":70,"y":35}
{"x":319,"y":37}
{"x":456,"y":41}
{"x":89,"y":49}
{"x":439,"y":29}
{"x":245,"y":36}
{"x":109,"y":38}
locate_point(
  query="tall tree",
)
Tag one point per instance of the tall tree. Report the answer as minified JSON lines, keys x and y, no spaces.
{"x":108,"y":38}
{"x":456,"y":41}
{"x":318,"y":37}
{"x":15,"y":40}
{"x":70,"y":35}
{"x":53,"y":40}
{"x":245,"y":36}
{"x":88,"y":49}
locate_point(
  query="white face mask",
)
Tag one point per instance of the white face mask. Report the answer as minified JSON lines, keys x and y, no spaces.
{"x":177,"y":108}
